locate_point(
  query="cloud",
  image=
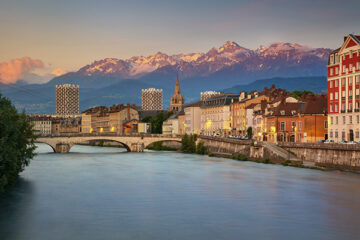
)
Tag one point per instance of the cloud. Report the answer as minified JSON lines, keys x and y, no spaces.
{"x":15,"y":69}
{"x":58,"y":72}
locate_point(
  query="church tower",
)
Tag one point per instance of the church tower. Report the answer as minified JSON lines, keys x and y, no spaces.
{"x":177,"y":100}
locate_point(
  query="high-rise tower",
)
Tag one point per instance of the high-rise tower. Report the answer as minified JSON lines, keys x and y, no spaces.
{"x":177,"y":100}
{"x":67,"y":99}
{"x":152,"y":99}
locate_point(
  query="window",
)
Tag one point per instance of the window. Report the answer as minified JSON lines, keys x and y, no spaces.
{"x":343,"y":82}
{"x":331,"y":134}
{"x":343,"y":135}
{"x":336,"y":120}
{"x":358,"y":65}
{"x":357,"y":79}
{"x":331,"y":108}
{"x":331,"y":96}
{"x":282,"y":126}
{"x":350,"y":106}
{"x":331,"y":84}
{"x":293,"y":125}
{"x":357,"y":134}
{"x":350,"y":81}
{"x":336,"y":134}
{"x":336,"y":95}
{"x":331,"y":71}
{"x":344,"y":68}
{"x":350,"y":93}
{"x":299,"y":125}
{"x":350,"y":67}
{"x":336,"y":83}
{"x":326,"y":124}
{"x":357,"y":119}
{"x":350,"y":119}
{"x":343,"y":93}
{"x":337,"y":70}
{"x":331,"y":120}
{"x":344,"y":120}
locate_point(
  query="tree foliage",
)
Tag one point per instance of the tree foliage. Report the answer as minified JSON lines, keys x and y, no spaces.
{"x":16,"y":143}
{"x":188,"y":144}
{"x":249,"y":132}
{"x":297,"y":94}
{"x":157,"y":121}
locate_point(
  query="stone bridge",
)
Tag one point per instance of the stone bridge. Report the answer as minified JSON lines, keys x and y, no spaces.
{"x":62,"y":143}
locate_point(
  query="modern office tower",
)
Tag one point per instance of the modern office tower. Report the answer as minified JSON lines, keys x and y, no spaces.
{"x":343,"y":91}
{"x":177,"y":100}
{"x":67,"y":99}
{"x":152,"y":99}
{"x":208,"y":94}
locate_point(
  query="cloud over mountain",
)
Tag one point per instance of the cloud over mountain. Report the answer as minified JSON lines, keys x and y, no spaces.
{"x":15,"y":69}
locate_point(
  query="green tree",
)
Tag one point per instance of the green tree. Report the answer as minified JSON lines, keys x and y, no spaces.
{"x":249,"y":132}
{"x":16,"y":143}
{"x":157,"y":121}
{"x":297,"y":94}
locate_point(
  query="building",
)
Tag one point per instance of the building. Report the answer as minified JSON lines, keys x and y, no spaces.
{"x":193,"y":118}
{"x":66,"y":125}
{"x":208,"y":94}
{"x":42,"y":124}
{"x":152,"y":99}
{"x":144,"y":127}
{"x":215,"y":115}
{"x":67,"y":99}
{"x":177,"y":100}
{"x":343,"y":91}
{"x":259,"y":121}
{"x":303,"y":121}
{"x":116,"y":118}
{"x":181,"y":122}
{"x":171,"y":125}
{"x":238,"y":110}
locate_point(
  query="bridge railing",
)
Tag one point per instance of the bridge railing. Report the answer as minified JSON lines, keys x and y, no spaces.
{"x":55,"y":135}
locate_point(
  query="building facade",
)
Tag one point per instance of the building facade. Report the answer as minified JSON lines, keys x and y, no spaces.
{"x":177,"y":100}
{"x":171,"y":125}
{"x":42,"y":124}
{"x":109,"y":119}
{"x":67,"y":99}
{"x":152,"y":99}
{"x":208,"y":94}
{"x":343,"y":91}
{"x":215,"y":115}
{"x":193,"y":118}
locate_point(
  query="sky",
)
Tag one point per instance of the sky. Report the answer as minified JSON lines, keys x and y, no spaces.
{"x":69,"y":34}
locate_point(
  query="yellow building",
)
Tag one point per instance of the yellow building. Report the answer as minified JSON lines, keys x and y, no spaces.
{"x":216,"y":116}
{"x":108,"y":119}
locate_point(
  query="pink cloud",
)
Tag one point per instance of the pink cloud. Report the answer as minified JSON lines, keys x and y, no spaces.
{"x":15,"y":69}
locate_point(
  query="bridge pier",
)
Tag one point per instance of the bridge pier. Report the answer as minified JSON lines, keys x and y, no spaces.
{"x":137,"y":147}
{"x":62,"y":148}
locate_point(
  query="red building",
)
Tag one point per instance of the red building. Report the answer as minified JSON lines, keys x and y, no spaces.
{"x":343,"y":90}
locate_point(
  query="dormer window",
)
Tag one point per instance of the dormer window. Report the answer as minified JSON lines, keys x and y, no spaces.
{"x":293,"y":112}
{"x":282,"y":112}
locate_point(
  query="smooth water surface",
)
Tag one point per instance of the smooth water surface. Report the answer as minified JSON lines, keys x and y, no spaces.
{"x":101,"y":193}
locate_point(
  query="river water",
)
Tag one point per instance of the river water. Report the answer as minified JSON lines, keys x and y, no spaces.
{"x":101,"y":193}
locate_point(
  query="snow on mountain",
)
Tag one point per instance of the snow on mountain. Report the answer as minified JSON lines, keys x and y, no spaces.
{"x":203,"y":64}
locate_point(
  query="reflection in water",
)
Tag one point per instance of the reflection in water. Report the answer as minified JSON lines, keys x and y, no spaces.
{"x":99,"y":193}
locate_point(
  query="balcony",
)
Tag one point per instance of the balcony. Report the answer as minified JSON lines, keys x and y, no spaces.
{"x":356,"y":110}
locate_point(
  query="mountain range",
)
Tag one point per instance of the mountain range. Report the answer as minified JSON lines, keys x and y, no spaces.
{"x":113,"y":80}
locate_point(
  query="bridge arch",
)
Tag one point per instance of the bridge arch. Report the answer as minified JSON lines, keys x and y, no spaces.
{"x":148,"y":143}
{"x":126,"y":146}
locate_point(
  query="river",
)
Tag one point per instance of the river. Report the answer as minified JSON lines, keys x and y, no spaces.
{"x":102,"y":193}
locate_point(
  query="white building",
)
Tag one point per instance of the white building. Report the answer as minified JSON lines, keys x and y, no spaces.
{"x":67,"y":99}
{"x":208,"y":94}
{"x":343,"y":91}
{"x":193,"y":118}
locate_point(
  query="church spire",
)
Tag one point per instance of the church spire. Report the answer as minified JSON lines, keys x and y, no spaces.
{"x":177,"y":85}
